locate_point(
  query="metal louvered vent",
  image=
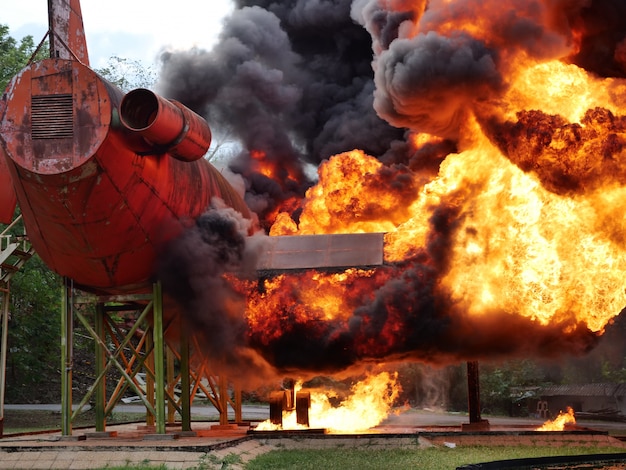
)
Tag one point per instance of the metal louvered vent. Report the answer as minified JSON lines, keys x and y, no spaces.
{"x":52,"y":117}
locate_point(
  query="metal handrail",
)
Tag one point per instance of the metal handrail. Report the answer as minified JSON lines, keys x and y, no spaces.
{"x":9,"y":244}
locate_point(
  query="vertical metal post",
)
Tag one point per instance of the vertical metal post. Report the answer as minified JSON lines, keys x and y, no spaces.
{"x":159,"y":371}
{"x":473,"y":391}
{"x":223,"y":399}
{"x":185,"y":394}
{"x":150,"y":418}
{"x":67,"y":339}
{"x":100,"y":391}
{"x":171,"y":386}
{"x":237,"y":400}
{"x":4,"y":315}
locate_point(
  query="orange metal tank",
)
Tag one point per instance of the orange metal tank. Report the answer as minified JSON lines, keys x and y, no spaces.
{"x":98,"y":197}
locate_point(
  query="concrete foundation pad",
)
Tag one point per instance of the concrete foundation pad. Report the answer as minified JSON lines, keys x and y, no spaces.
{"x":224,"y":427}
{"x":482,"y":425}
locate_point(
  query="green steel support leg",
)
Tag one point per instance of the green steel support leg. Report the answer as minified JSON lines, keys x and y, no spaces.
{"x":100,"y":391}
{"x":185,"y":397}
{"x":150,"y":416}
{"x":67,"y":339}
{"x":159,"y":369}
{"x":169,"y":374}
{"x":4,"y":315}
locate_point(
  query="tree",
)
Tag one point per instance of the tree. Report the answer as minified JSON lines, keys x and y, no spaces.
{"x":15,"y":55}
{"x":34,"y":330}
{"x":128,"y":74}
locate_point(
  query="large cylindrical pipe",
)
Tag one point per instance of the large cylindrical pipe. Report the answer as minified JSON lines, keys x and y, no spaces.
{"x":167,"y":125}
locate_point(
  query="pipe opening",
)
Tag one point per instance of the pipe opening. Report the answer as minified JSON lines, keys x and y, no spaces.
{"x":139,"y":109}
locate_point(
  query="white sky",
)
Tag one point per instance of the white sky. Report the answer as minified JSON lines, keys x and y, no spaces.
{"x":129,"y":29}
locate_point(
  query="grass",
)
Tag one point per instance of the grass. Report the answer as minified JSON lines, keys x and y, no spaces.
{"x":434,"y":458}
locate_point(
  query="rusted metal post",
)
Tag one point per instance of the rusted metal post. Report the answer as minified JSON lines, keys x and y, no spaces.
{"x":473,"y":391}
{"x":473,"y":399}
{"x":223,"y":399}
{"x":237,"y":402}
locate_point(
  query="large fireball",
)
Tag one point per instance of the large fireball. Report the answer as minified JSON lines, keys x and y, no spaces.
{"x":486,"y":139}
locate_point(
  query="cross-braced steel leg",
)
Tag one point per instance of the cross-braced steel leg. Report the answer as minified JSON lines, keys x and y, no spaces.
{"x":130,"y":350}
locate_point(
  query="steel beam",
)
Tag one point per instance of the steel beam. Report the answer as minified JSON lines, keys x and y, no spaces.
{"x":322,"y":251}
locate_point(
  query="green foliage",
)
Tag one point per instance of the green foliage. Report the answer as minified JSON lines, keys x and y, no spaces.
{"x":611,"y":373}
{"x":34,"y":330}
{"x":15,"y":55}
{"x":496,"y":382}
{"x":128,"y":74}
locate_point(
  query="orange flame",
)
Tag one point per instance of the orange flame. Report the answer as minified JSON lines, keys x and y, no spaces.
{"x":516,"y":233}
{"x":261,"y":164}
{"x":521,"y":247}
{"x":559,"y":423}
{"x":270,"y":168}
{"x":368,"y":405}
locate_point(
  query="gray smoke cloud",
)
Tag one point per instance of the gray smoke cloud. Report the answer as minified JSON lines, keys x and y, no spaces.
{"x":428,"y":83}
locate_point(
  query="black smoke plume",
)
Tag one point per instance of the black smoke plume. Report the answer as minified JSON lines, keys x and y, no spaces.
{"x":192,"y":270}
{"x":290,"y":80}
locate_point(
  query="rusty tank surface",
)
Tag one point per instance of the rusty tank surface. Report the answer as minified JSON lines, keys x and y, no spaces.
{"x":102,"y":178}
